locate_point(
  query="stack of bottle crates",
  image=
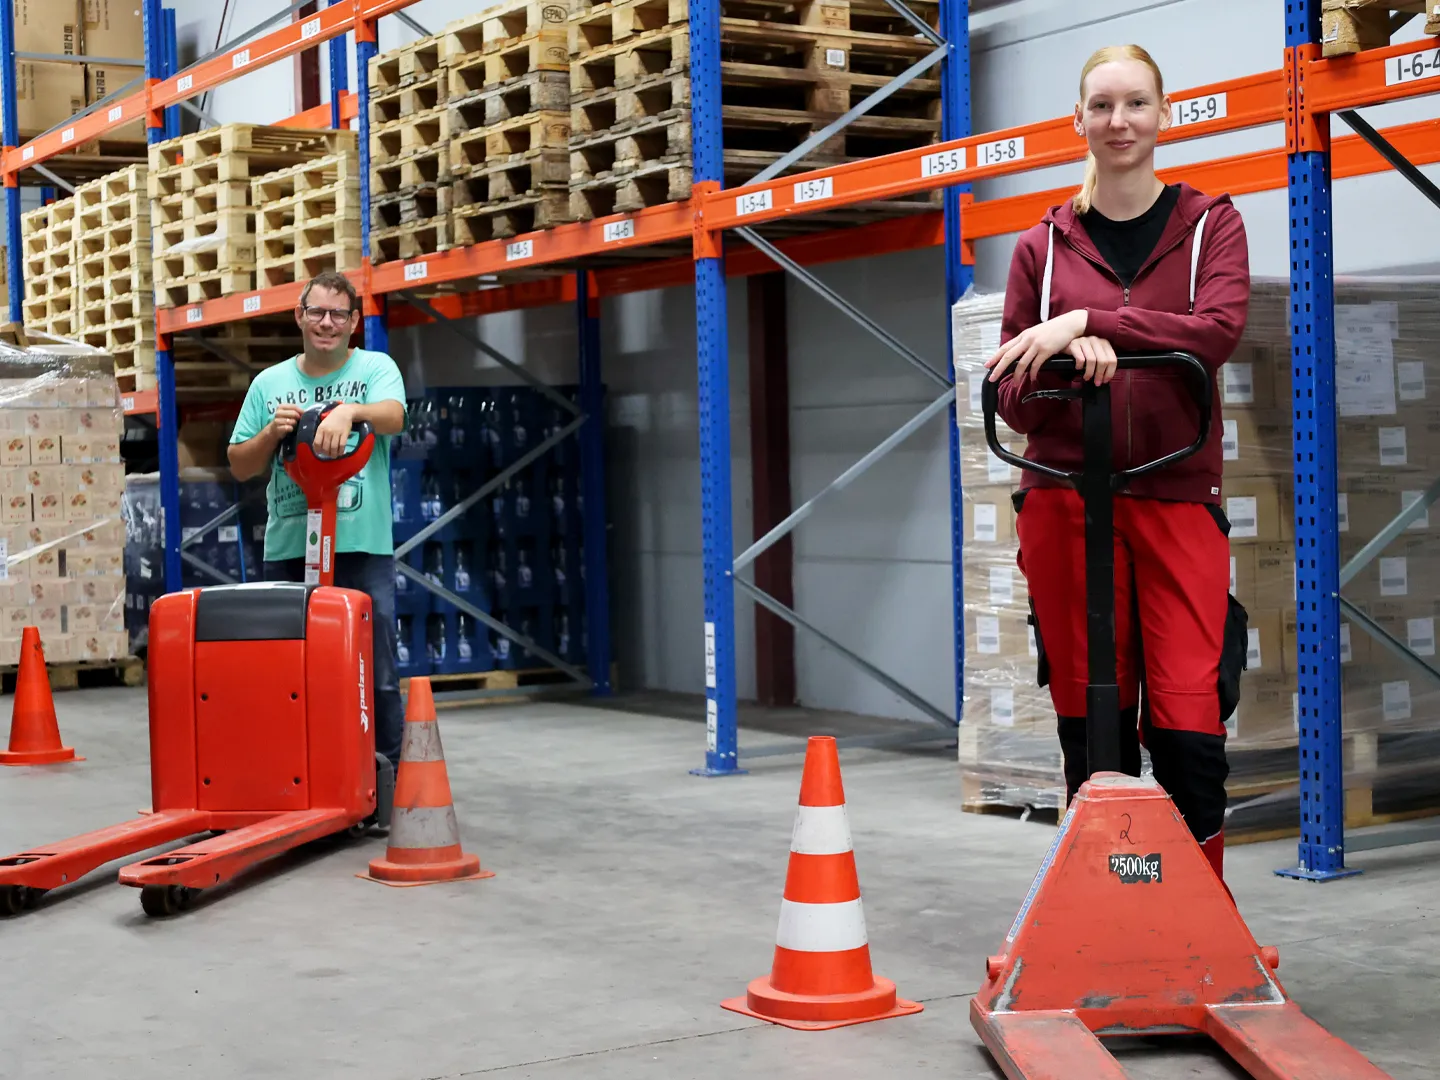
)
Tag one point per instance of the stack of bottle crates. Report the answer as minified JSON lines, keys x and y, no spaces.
{"x":516,"y":555}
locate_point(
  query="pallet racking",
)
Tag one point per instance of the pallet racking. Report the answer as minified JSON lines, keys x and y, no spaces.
{"x":1303,"y":93}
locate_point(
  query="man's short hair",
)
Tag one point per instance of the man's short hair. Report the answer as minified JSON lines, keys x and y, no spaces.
{"x":333,"y":281}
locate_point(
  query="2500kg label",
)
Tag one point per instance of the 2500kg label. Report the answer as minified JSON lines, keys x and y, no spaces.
{"x":1136,"y":868}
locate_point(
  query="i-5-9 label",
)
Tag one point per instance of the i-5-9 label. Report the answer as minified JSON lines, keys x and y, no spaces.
{"x":942,"y":162}
{"x":999,"y":152}
{"x":752,"y":202}
{"x":619,"y":230}
{"x":1413,"y":66}
{"x":252,"y":304}
{"x":520,"y":249}
{"x":1198,"y":110}
{"x":820,"y":188}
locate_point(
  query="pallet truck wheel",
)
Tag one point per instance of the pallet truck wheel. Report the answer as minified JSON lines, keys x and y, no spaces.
{"x":13,"y":899}
{"x":159,"y":901}
{"x":359,"y":829}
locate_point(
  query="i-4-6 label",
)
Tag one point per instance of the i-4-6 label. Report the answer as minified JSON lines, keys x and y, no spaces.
{"x":1132,"y":869}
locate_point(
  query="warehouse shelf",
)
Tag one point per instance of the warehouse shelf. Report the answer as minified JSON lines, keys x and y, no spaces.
{"x":576,"y":264}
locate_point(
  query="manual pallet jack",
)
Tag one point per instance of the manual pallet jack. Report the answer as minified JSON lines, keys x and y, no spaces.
{"x":261,"y":704}
{"x":1126,"y":929}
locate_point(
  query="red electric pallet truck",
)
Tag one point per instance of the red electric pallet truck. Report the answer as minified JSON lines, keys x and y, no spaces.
{"x":1126,"y":930}
{"x":261,"y":705}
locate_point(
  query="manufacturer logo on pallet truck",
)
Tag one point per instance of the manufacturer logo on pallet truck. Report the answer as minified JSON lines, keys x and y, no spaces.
{"x":1090,"y":955}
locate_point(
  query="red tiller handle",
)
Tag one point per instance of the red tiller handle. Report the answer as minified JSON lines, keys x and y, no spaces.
{"x":320,"y":478}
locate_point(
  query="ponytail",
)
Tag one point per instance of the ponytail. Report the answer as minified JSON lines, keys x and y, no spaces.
{"x":1086,"y":195}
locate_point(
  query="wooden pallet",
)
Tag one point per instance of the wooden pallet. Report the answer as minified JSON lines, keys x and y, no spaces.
{"x":208,"y":285}
{"x":614,"y":109}
{"x":538,"y":171}
{"x":598,"y":26}
{"x":510,"y":140}
{"x":236,"y":152}
{"x":411,"y":206}
{"x":313,"y":259}
{"x":519,"y":680}
{"x":419,"y":97}
{"x":477,"y":223}
{"x":411,"y":240}
{"x":257,"y":342}
{"x":428,"y":167}
{"x":633,"y":61}
{"x":539,"y":91}
{"x":411,"y":136}
{"x":409,"y":64}
{"x":502,"y":25}
{"x":319,"y":175}
{"x":650,"y":185}
{"x":512,"y":60}
{"x":1368,"y":24}
{"x":126,"y":671}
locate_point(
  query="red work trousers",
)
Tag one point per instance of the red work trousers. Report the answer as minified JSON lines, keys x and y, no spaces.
{"x":1172,"y":603}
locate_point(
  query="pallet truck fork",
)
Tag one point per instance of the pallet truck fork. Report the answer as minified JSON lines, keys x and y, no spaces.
{"x":1126,"y":929}
{"x":262,"y":701}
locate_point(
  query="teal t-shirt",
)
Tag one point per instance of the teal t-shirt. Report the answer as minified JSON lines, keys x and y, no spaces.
{"x":363,"y":520}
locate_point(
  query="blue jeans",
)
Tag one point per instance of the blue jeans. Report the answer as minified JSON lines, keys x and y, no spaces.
{"x":373,"y":575}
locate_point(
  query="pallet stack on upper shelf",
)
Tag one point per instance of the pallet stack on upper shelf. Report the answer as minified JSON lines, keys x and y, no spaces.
{"x":115,"y":288}
{"x":203,"y":220}
{"x":787,"y":71}
{"x":308,"y":219}
{"x":509,"y":120}
{"x":1352,"y":26}
{"x":409,"y":152}
{"x":47,"y":240}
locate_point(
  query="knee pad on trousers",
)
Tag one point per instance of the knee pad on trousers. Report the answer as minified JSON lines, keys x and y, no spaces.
{"x":1074,"y":749}
{"x":1191,"y":767}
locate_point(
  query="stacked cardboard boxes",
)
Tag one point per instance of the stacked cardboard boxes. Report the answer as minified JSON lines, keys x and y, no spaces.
{"x":61,"y":483}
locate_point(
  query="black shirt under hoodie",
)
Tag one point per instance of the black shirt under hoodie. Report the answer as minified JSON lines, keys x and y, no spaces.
{"x":1125,"y":245}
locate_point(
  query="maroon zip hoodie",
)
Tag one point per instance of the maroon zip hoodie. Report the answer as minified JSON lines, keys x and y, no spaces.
{"x":1153,"y":412}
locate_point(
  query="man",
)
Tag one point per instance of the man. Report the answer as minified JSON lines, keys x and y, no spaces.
{"x":370,"y":387}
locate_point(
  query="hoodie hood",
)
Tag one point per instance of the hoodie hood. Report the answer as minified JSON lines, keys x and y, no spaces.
{"x":1190,"y":207}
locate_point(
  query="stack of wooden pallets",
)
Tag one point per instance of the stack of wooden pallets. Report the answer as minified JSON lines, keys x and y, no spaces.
{"x":509,"y":120}
{"x":47,"y":241}
{"x":307,"y":219}
{"x":409,"y":152}
{"x":115,"y":301}
{"x":787,"y":71}
{"x":202,"y":218}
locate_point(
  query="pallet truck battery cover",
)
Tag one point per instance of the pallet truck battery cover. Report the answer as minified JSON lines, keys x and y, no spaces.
{"x":262,"y":705}
{"x":1126,"y":929}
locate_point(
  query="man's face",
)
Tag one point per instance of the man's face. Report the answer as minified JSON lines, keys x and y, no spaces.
{"x":327,"y":319}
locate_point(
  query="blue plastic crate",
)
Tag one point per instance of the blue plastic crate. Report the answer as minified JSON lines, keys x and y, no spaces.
{"x":410,"y":645}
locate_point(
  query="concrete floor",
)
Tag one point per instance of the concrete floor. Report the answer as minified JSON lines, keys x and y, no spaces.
{"x":630,"y":899}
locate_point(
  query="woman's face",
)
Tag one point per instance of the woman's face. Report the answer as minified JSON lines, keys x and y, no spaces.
{"x":1122,"y":114}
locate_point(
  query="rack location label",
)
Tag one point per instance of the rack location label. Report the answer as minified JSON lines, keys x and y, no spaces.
{"x":945,"y":161}
{"x":1198,"y":110}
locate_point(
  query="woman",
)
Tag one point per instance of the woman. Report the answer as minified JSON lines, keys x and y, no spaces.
{"x":1132,"y":264}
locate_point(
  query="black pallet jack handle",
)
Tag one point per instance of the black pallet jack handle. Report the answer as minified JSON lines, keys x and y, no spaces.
{"x":1097,"y":482}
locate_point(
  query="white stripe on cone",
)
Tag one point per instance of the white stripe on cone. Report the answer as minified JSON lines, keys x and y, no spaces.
{"x":821,"y":927}
{"x":821,"y":830}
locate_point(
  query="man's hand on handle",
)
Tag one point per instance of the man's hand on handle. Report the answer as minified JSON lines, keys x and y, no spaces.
{"x":334,"y":431}
{"x":284,"y":421}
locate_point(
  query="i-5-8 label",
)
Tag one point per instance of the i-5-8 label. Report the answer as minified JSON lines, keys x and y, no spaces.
{"x":999,"y":152}
{"x":1198,"y":110}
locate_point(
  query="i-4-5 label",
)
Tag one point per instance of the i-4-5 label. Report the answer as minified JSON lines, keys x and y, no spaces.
{"x":1136,"y":868}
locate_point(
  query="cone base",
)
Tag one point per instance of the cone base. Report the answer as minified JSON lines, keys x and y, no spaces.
{"x":39,"y":757}
{"x":465,"y":868}
{"x":821,"y":1011}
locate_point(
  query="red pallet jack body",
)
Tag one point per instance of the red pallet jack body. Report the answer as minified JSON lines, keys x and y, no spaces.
{"x":1126,"y":929}
{"x":261,"y":706}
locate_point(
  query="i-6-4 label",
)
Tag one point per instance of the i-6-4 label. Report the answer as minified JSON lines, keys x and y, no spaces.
{"x":1136,"y":868}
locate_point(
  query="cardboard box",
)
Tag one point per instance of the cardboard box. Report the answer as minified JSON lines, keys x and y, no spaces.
{"x":15,"y":448}
{"x":1266,"y":710}
{"x":99,"y":645}
{"x":1265,"y":655}
{"x":113,"y":29}
{"x":1274,"y":575}
{"x":44,"y":563}
{"x":47,"y":94}
{"x":989,"y":516}
{"x":995,"y":585}
{"x":1259,"y":510}
{"x":9,"y":652}
{"x":45,"y":450}
{"x":992,"y":639}
{"x":1242,"y":575}
{"x":1256,"y":443}
{"x":17,"y":508}
{"x":102,"y":592}
{"x":1247,"y":381}
{"x":58,"y":647}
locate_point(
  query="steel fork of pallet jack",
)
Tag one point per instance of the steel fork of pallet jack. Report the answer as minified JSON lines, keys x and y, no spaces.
{"x":1126,"y":929}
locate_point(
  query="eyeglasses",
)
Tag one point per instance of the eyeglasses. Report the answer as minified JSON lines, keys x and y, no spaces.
{"x":319,"y":314}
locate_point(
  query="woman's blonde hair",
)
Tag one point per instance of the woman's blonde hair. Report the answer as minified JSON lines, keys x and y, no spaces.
{"x":1109,"y":54}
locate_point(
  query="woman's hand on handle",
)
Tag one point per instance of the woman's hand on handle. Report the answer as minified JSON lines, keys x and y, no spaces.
{"x":1030,"y":348}
{"x":1094,"y":359}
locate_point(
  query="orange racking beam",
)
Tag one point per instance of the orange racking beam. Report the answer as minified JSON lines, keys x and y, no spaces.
{"x":1373,"y":76}
{"x":1232,"y":105}
{"x":319,"y":117}
{"x":266,"y":49}
{"x":543,"y":292}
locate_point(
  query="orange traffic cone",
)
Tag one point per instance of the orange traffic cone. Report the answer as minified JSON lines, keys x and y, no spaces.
{"x":820,"y":977}
{"x":34,"y":731}
{"x":424,"y":844}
